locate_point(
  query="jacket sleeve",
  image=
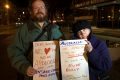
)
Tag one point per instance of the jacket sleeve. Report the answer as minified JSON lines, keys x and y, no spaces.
{"x":99,"y":58}
{"x":16,"y":52}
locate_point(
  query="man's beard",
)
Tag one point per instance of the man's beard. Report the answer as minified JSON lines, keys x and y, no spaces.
{"x":40,"y":17}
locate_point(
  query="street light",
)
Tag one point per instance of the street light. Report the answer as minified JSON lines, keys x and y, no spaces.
{"x":7,"y":6}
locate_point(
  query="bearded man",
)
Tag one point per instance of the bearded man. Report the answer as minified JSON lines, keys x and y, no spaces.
{"x":18,"y":53}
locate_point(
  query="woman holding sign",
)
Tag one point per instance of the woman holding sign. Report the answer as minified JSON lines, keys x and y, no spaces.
{"x":98,"y":55}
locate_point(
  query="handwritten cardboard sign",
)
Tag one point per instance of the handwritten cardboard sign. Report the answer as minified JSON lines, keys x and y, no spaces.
{"x":46,"y":60}
{"x":74,"y":63}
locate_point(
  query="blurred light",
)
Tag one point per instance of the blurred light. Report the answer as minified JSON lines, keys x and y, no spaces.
{"x":61,"y":20}
{"x":102,"y":17}
{"x":23,"y":12}
{"x":119,"y":18}
{"x":54,"y":21}
{"x":112,"y":17}
{"x":58,"y":17}
{"x":7,"y":6}
{"x":18,"y":18}
{"x":109,"y":16}
{"x":119,"y":10}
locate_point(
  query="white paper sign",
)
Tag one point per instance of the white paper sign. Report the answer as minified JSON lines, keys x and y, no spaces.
{"x":74,"y":62}
{"x":46,"y":60}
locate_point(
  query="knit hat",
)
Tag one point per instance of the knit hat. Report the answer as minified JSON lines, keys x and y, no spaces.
{"x":81,"y":24}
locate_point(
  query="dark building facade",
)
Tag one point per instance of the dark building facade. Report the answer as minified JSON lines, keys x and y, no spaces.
{"x":109,"y":16}
{"x":101,"y":13}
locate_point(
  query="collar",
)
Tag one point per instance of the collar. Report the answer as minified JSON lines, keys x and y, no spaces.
{"x":33,"y":25}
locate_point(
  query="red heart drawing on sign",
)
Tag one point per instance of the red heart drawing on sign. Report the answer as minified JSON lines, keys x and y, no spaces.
{"x":46,"y":50}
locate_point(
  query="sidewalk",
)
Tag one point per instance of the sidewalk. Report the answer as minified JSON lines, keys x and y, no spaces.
{"x":107,"y":32}
{"x":7,"y":29}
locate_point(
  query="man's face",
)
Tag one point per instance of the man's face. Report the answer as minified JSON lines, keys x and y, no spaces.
{"x":39,"y":12}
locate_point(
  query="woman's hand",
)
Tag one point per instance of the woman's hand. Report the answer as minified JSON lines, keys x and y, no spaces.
{"x":88,"y":46}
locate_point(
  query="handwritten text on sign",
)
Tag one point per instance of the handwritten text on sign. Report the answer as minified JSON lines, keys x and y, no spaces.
{"x":45,"y":60}
{"x":73,"y":60}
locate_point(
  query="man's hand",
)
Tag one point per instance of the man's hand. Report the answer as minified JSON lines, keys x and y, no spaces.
{"x":31,"y":71}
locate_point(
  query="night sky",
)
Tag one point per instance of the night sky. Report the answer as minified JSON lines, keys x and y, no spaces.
{"x":20,"y":3}
{"x":52,"y":3}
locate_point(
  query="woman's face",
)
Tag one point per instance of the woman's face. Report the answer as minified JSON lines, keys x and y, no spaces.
{"x":83,"y":33}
